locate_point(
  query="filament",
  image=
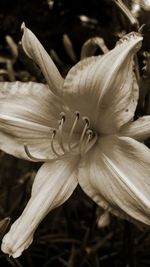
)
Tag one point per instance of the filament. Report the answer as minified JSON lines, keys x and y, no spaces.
{"x":86,"y":139}
{"x":87,"y":124}
{"x":72,"y":130}
{"x":60,"y":131}
{"x":89,"y":136}
{"x":52,"y":143}
{"x":84,"y":144}
{"x":26,"y":149}
{"x":91,"y":140}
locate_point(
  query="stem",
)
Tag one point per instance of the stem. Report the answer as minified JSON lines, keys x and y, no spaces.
{"x":127,"y":12}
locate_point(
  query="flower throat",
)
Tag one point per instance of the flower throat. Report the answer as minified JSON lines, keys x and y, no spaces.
{"x":87,"y":138}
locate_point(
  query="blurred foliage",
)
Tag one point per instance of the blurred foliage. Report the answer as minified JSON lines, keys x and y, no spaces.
{"x":70,"y":235}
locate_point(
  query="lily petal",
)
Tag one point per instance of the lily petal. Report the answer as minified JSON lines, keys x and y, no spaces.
{"x":36,"y":51}
{"x":104,"y":87}
{"x":28,"y":114}
{"x":53,"y":185}
{"x":139,"y":129}
{"x":116,"y":175}
{"x":90,"y":46}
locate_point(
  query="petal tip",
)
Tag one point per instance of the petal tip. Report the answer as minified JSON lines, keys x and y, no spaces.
{"x":132,"y":38}
{"x":13,"y":247}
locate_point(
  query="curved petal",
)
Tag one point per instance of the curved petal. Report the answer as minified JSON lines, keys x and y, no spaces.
{"x":36,"y":51}
{"x":28,"y":114}
{"x":104,"y":88}
{"x":116,"y":175}
{"x":139,"y":129}
{"x":90,"y":46}
{"x":53,"y":185}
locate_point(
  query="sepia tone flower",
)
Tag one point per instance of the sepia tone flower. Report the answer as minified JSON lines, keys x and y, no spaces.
{"x":82,"y":128}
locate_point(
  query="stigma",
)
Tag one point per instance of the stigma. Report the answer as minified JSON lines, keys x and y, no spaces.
{"x":85,"y":141}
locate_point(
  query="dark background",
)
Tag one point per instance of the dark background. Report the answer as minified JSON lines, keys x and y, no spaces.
{"x":70,"y":235}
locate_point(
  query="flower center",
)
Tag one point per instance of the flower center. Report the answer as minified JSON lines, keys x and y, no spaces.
{"x":86,"y":139}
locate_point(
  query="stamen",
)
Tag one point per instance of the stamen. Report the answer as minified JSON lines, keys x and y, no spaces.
{"x":52,"y":143}
{"x":77,"y":114}
{"x":60,"y":131}
{"x":91,"y":140}
{"x":63,"y":116}
{"x":86,"y":141}
{"x":26,"y":149}
{"x":87,"y":124}
{"x":72,"y":129}
{"x":90,"y":135}
{"x":86,"y":119}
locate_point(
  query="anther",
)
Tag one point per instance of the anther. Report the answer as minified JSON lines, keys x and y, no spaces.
{"x":54,"y":133}
{"x":77,"y":114}
{"x":63,"y":116}
{"x":26,"y":149}
{"x":87,"y":121}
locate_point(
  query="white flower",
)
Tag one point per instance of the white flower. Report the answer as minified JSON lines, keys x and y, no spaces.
{"x":82,"y":128}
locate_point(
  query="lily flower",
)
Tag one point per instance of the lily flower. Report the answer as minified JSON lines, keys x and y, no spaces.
{"x":82,"y":128}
